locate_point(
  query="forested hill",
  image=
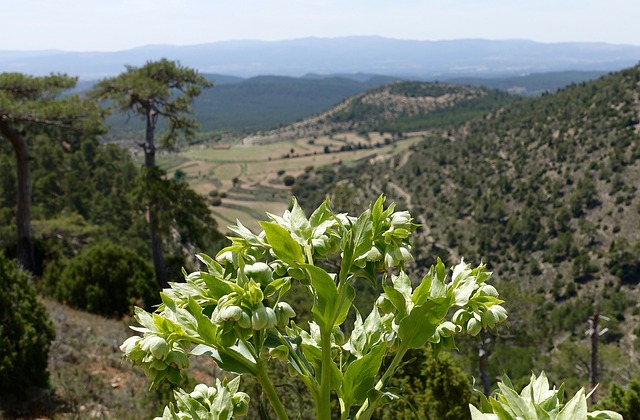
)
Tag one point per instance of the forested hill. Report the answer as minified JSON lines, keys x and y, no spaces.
{"x":261,"y":102}
{"x":545,"y":191}
{"x":398,"y":106}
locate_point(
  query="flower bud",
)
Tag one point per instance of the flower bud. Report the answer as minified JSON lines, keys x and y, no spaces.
{"x":279,"y":268}
{"x":374,"y":254}
{"x":488,"y":319}
{"x":240,"y":402}
{"x":338,"y":336}
{"x":225,"y":257}
{"x":259,"y":318}
{"x":473,"y":326}
{"x":155,"y":345}
{"x":490,"y":290}
{"x":283,"y":312}
{"x":460,"y":316}
{"x":227,"y":338}
{"x":447,"y":329}
{"x":498,"y":312}
{"x":320,"y":245}
{"x":281,"y":353}
{"x":259,"y":272}
{"x":231,"y":313}
{"x":245,"y":320}
{"x":130,"y":344}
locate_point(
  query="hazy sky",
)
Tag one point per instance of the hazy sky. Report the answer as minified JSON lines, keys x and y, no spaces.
{"x":111,"y":25}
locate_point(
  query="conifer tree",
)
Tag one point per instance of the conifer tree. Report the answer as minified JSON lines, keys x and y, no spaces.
{"x":29,"y":104}
{"x":159,"y":89}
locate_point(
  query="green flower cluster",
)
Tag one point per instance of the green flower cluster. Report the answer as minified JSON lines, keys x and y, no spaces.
{"x":162,"y":355}
{"x":235,"y":311}
{"x":221,"y":402}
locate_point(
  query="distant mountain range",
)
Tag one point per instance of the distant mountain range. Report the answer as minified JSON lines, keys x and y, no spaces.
{"x":361,"y":54}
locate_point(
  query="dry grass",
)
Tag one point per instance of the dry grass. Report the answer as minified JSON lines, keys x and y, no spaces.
{"x":89,"y":378}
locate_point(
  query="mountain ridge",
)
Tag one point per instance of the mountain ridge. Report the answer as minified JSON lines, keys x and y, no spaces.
{"x":370,"y":54}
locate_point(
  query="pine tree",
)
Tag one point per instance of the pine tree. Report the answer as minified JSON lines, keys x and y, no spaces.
{"x":159,"y":89}
{"x":29,"y":104}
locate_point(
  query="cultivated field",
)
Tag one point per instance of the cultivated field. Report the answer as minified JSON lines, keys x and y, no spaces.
{"x":250,"y":178}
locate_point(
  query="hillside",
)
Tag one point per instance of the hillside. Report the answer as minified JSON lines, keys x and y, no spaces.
{"x":530,"y":84}
{"x":399,"y":106}
{"x":545,"y":192}
{"x":260,"y":102}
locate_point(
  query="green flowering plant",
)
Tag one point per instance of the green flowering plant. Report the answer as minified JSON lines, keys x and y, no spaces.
{"x":236,"y":313}
{"x":536,"y":401}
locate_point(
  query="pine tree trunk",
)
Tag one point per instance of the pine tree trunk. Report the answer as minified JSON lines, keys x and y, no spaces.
{"x":25,"y":248}
{"x":159,"y":264}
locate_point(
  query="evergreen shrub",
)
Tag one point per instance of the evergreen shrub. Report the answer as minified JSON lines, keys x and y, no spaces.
{"x":104,"y":278}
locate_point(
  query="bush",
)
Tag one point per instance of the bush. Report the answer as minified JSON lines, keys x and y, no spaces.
{"x":215,"y":201}
{"x":25,"y":334}
{"x":289,"y":180}
{"x":105,"y":279}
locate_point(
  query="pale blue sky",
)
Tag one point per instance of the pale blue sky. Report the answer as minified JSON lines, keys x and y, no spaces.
{"x":111,"y":25}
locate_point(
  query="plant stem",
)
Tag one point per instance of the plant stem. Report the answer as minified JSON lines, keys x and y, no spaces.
{"x":366,"y":410}
{"x":323,"y":409}
{"x":268,"y":388}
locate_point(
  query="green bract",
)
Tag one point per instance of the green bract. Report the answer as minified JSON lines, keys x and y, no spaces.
{"x":235,"y":311}
{"x":537,"y":401}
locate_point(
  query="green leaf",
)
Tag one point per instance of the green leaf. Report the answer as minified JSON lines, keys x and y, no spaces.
{"x":575,"y":408}
{"x":236,"y":359}
{"x":276,"y":285}
{"x":284,"y":246}
{"x":397,"y":300}
{"x":326,"y":295}
{"x":402,"y":284}
{"x":360,"y":376}
{"x":604,"y":415}
{"x":300,"y":226}
{"x":347,"y":247}
{"x":212,"y":265}
{"x":217,"y":286}
{"x":420,"y":324}
{"x":145,"y":319}
{"x":206,"y":329}
{"x":516,"y":403}
{"x":322,"y":219}
{"x":362,"y":235}
{"x":478,"y":415}
{"x":423,"y":292}
{"x":349,"y":295}
{"x":500,"y":412}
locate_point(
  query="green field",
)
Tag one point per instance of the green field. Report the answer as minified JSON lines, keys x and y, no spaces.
{"x":259,"y":169}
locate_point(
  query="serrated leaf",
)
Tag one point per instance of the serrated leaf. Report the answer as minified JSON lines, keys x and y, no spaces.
{"x":284,"y":246}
